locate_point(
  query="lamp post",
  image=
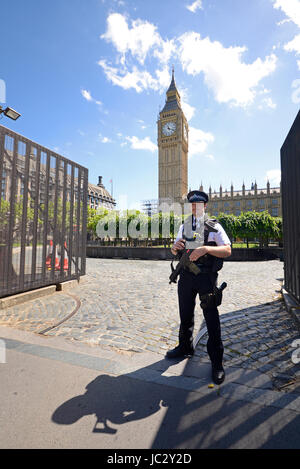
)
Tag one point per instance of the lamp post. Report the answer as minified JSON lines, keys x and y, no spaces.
{"x":9,"y":112}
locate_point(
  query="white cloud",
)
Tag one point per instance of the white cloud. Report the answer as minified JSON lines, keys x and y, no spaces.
{"x":138,"y":39}
{"x":87,"y":95}
{"x":293,"y":45}
{"x":199,"y":141}
{"x":163,"y":79}
{"x":106,"y":140}
{"x":286,"y":20}
{"x":167,"y":50}
{"x":230,"y":79}
{"x":291,"y":8}
{"x":273,"y":176}
{"x":139,"y":80}
{"x":269,"y":103}
{"x":142,"y":144}
{"x":188,"y":110}
{"x":195,"y":6}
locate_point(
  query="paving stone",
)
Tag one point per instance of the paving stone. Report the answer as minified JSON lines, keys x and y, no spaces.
{"x":131,"y":306}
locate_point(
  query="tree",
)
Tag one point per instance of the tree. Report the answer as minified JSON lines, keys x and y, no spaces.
{"x":230,"y":223}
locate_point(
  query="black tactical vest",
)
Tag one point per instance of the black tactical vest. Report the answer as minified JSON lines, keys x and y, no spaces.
{"x":211,"y":263}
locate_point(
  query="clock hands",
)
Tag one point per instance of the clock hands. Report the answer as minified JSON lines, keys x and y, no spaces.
{"x":169,"y":128}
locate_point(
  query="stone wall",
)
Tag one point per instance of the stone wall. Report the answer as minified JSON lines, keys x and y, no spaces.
{"x":238,"y":254}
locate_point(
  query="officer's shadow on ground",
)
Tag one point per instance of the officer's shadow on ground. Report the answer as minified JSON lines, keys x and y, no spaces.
{"x":116,"y":400}
{"x":189,"y":419}
{"x":201,"y":419}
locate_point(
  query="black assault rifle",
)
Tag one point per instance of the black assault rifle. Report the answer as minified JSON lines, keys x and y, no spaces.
{"x":185,"y":262}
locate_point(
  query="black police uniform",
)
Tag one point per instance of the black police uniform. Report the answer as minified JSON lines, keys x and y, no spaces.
{"x":189,"y":286}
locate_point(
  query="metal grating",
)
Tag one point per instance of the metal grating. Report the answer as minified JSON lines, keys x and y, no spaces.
{"x":290,"y":177}
{"x":43,"y":213}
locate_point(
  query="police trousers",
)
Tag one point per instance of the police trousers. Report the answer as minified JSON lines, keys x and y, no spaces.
{"x":189,"y":286}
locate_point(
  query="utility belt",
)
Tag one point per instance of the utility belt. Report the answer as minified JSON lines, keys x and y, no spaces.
{"x":214,"y":299}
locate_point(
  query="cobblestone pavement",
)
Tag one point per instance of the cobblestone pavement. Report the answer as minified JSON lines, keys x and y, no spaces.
{"x":129,"y":306}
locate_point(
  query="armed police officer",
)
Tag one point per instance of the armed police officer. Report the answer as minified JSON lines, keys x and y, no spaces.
{"x":208,"y":259}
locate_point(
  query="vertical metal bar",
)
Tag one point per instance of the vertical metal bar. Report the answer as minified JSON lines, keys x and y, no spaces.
{"x":84,"y":222}
{"x":55,"y":233}
{"x":71,"y":223}
{"x":24,"y":215}
{"x":292,"y":220}
{"x":2,"y":246}
{"x":63,"y":228}
{"x":2,"y":138}
{"x":9,"y":285}
{"x":36,"y":213}
{"x":291,"y":209}
{"x":45,"y":233}
{"x":8,"y":168}
{"x":297,"y":218}
{"x":284,"y":214}
{"x":78,"y":221}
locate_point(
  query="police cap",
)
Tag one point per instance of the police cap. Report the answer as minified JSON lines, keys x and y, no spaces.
{"x":197,"y":196}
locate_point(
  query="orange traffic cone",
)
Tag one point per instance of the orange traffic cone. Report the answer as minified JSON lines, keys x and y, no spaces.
{"x":66,"y":260}
{"x":49,"y":258}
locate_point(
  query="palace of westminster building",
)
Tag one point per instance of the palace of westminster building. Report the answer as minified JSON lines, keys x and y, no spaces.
{"x":172,"y":139}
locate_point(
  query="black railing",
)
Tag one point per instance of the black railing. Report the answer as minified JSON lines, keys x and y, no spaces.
{"x":43,"y":213}
{"x":290,"y":177}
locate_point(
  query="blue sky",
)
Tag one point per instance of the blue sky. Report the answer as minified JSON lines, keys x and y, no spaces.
{"x":89,"y":78}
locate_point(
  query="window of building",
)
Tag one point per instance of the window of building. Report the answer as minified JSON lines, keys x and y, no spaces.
{"x":261,"y":203}
{"x":3,"y":185}
{"x":238,"y":203}
{"x":249,"y":203}
{"x":226,"y":204}
{"x":274,"y":201}
{"x":275,"y":212}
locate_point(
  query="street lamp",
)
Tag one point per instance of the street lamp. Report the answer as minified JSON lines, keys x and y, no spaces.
{"x":9,"y":112}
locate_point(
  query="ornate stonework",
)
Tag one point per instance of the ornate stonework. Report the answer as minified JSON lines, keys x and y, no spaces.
{"x":172,"y":139}
{"x":245,"y":200}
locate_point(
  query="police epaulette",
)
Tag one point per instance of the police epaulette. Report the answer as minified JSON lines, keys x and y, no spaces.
{"x":211,"y":223}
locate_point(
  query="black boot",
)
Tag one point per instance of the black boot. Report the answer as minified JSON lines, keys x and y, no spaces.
{"x":218,"y":374}
{"x":180,"y":352}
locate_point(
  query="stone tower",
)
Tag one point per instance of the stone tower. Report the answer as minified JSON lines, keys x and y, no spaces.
{"x":172,"y":139}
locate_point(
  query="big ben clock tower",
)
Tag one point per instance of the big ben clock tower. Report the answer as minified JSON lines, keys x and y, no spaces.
{"x":172,"y":139}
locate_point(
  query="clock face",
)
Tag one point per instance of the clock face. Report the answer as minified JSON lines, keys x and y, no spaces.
{"x":169,"y":128}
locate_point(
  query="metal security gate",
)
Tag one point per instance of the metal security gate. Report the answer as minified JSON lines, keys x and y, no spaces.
{"x":43,"y":214}
{"x":290,"y":177}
